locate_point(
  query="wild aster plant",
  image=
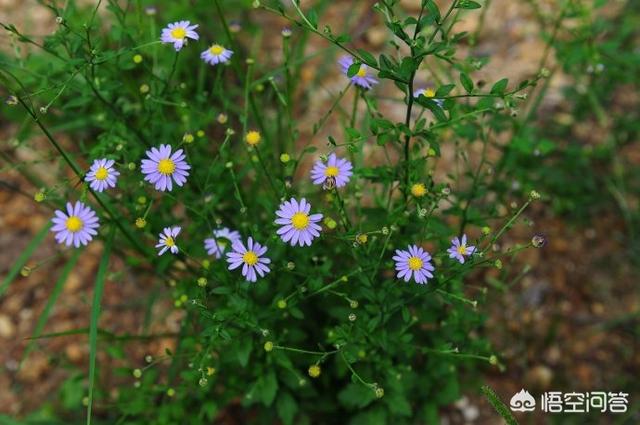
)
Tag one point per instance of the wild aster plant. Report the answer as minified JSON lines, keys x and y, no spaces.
{"x":351,"y":264}
{"x":216,"y":54}
{"x":179,"y":34}
{"x":336,"y":172}
{"x":429,"y":94}
{"x":459,"y":249}
{"x":250,"y":257}
{"x":298,"y":226}
{"x":414,"y":262}
{"x":163,"y":168}
{"x":167,"y":240}
{"x":75,"y":227}
{"x":102,"y":175}
{"x":222,"y":239}
{"x":362,"y":78}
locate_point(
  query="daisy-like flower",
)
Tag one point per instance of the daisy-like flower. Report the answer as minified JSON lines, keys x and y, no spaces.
{"x":362,"y":77}
{"x":250,"y":258}
{"x":336,"y":172}
{"x":414,"y":262}
{"x":77,"y":227}
{"x":429,"y":94}
{"x":459,"y":249}
{"x":297,"y":226}
{"x":222,"y":238}
{"x":102,"y":175}
{"x":216,"y":54}
{"x":179,"y":33}
{"x":163,"y":168}
{"x":167,"y":240}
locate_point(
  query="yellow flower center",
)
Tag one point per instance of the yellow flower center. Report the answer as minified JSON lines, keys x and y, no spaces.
{"x":250,"y":258}
{"x":74,"y":224}
{"x":415,"y":263}
{"x":168,"y":241}
{"x":102,"y":173}
{"x":166,"y":166}
{"x":300,"y":221}
{"x":429,"y":93}
{"x":418,"y":190}
{"x":331,"y":172}
{"x":362,"y":72}
{"x":252,"y":138}
{"x":178,"y":33}
{"x":216,"y":49}
{"x":462,"y":249}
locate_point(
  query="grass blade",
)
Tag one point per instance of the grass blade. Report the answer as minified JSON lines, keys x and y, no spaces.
{"x":498,"y":405}
{"x":95,"y":316}
{"x":57,"y":290}
{"x":24,"y":257}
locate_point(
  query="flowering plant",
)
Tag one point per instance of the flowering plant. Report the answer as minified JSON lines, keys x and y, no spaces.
{"x":317,"y":268}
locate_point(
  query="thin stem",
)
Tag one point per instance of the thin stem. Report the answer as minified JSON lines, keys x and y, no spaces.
{"x":301,"y":351}
{"x":266,"y":172}
{"x":173,"y":70}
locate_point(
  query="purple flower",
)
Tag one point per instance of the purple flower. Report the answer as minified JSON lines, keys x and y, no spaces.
{"x":415,"y":262}
{"x":429,"y":94}
{"x":221,"y":239}
{"x":362,"y":77}
{"x":459,"y":249}
{"x":216,"y":54}
{"x":163,"y":168}
{"x":76,"y":227}
{"x":167,"y":240}
{"x":178,"y":33}
{"x":298,"y":227}
{"x":336,"y":172}
{"x":250,"y":258}
{"x":102,"y":175}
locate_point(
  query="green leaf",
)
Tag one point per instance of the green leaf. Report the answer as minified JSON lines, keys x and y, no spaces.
{"x":466,"y":82}
{"x":368,"y":58}
{"x":468,"y":4}
{"x":24,"y":257}
{"x":244,"y":351}
{"x":432,"y":8}
{"x":287,"y":407}
{"x":267,"y":388}
{"x":444,"y":90}
{"x":353,"y":69}
{"x":356,"y":396}
{"x":498,"y":405}
{"x":57,"y":290}
{"x":312,"y":16}
{"x":407,"y":67}
{"x":95,"y":316}
{"x":500,"y":86}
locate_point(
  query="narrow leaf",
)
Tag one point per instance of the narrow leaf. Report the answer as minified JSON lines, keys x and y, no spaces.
{"x":95,"y":316}
{"x":57,"y":290}
{"x":468,"y":4}
{"x":353,"y":69}
{"x":466,"y":82}
{"x":498,"y":405}
{"x":500,"y":86}
{"x":368,"y":58}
